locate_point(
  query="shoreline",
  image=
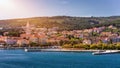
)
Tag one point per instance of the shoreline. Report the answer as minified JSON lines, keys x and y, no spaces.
{"x":70,"y":50}
{"x":37,"y":49}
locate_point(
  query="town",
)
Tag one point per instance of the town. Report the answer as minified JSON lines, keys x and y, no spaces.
{"x":93,"y":38}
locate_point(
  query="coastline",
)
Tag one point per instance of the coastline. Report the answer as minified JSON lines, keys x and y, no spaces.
{"x":37,"y":49}
{"x":72,"y":50}
{"x":67,"y":50}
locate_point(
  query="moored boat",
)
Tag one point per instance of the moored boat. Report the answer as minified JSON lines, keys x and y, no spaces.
{"x":106,"y":52}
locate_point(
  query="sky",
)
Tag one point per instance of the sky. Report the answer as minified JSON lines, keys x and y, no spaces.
{"x":10,"y":9}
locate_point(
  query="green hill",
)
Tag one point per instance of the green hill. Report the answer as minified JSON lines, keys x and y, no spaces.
{"x":63,"y":22}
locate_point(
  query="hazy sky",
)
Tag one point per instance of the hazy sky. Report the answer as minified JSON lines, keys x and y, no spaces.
{"x":32,"y":8}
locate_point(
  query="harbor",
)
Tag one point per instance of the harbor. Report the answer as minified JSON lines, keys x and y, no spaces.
{"x":39,"y":49}
{"x":22,"y":59}
{"x":58,"y":50}
{"x":94,"y":52}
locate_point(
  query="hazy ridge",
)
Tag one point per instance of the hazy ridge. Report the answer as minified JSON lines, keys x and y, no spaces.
{"x":63,"y":22}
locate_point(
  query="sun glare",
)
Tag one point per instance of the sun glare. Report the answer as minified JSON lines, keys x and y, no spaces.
{"x":6,"y":4}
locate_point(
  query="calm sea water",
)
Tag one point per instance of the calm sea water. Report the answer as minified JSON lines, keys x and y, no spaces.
{"x":21,"y":59}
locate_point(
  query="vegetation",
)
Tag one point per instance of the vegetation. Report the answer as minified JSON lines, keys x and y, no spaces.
{"x":33,"y":44}
{"x":63,"y":22}
{"x":100,"y":46}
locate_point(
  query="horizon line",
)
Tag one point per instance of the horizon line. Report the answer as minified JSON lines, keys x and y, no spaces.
{"x":55,"y":16}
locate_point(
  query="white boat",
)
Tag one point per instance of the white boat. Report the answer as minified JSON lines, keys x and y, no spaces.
{"x":26,"y":50}
{"x":106,"y":52}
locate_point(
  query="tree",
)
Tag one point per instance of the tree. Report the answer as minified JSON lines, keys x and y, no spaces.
{"x":118,"y":46}
{"x":104,"y":46}
{"x":95,"y":34}
{"x":93,"y":46}
{"x":86,"y":46}
{"x":33,"y":44}
{"x":67,"y":46}
{"x":61,"y":42}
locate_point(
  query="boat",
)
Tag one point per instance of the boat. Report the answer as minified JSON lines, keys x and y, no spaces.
{"x":106,"y":52}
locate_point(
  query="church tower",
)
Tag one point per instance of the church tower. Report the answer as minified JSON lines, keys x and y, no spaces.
{"x":28,"y":31}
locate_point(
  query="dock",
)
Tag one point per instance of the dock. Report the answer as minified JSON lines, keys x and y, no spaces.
{"x":58,"y":50}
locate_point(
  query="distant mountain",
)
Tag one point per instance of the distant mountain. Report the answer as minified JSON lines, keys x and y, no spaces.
{"x":63,"y":22}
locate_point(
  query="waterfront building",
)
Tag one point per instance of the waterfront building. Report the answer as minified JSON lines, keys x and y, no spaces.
{"x":22,"y":42}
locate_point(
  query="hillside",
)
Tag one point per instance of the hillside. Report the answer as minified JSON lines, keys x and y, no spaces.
{"x":63,"y":22}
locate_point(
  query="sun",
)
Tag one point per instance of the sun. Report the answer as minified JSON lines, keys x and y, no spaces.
{"x":7,"y":4}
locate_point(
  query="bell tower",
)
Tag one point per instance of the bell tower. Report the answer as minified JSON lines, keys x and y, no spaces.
{"x":28,"y":28}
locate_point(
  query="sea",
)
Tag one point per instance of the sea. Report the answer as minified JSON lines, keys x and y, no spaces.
{"x":22,"y":59}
